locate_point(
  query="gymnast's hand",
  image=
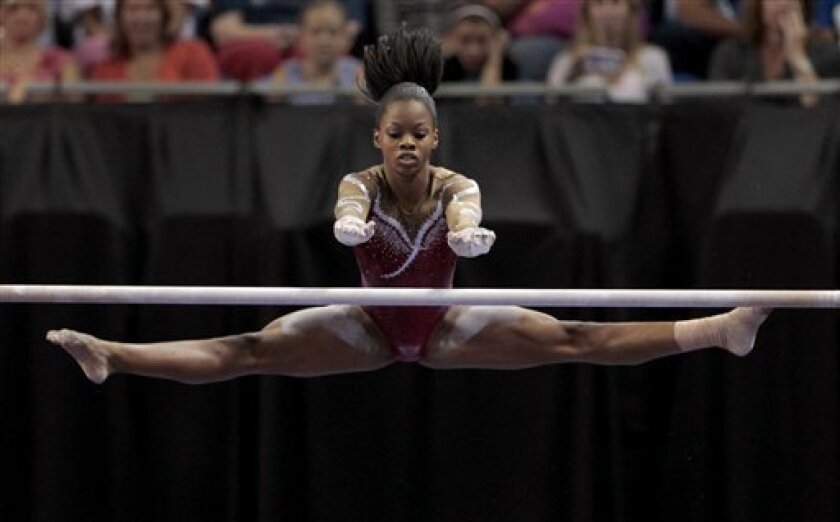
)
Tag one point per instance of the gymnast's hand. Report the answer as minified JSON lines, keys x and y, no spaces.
{"x":352,"y":231}
{"x":471,"y":242}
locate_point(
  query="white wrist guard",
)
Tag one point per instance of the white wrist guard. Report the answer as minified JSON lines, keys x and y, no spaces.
{"x":471,"y":242}
{"x":352,"y":231}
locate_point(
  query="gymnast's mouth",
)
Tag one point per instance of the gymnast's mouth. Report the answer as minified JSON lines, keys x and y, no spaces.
{"x":407,"y":157}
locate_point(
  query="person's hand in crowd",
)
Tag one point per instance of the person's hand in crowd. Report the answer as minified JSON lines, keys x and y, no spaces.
{"x":794,"y":41}
{"x":607,"y":62}
{"x":794,"y":36}
{"x":17,"y":91}
{"x":492,"y":71}
{"x":499,"y":43}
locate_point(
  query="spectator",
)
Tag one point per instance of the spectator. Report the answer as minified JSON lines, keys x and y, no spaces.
{"x":144,"y":49}
{"x":94,"y":19}
{"x":777,"y":47}
{"x":540,"y":29}
{"x":608,"y":52}
{"x":253,"y":36}
{"x":23,"y":59}
{"x":690,"y":31}
{"x":475,"y":47}
{"x":324,"y":42}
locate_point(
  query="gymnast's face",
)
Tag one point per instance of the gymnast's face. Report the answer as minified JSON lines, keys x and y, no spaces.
{"x":406,"y":135}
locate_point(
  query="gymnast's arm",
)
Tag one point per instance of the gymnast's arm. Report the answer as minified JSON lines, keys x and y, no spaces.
{"x":351,"y":209}
{"x":463,"y":216}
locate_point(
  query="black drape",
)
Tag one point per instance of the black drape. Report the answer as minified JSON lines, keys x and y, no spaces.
{"x":236,"y":192}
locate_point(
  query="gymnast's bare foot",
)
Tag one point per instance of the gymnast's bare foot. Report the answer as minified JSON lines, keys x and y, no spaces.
{"x":88,"y":351}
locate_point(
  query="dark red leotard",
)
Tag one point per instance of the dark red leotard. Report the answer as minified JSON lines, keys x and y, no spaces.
{"x":393,"y":259}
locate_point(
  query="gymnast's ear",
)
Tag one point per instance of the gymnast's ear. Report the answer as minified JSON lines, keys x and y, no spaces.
{"x":376,"y":138}
{"x":435,"y":138}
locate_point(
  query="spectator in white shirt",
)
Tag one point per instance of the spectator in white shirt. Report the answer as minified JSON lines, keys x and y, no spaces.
{"x":608,"y":52}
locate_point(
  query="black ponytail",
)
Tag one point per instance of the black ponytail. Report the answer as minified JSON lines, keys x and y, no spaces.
{"x":403,"y":65}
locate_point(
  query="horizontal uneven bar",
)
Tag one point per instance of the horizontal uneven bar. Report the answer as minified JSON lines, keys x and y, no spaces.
{"x":267,"y":296}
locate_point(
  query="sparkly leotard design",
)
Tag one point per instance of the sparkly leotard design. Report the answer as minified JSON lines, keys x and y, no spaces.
{"x":391,"y":258}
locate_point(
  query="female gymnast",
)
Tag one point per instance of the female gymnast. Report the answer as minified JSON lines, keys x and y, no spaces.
{"x":407,"y":222}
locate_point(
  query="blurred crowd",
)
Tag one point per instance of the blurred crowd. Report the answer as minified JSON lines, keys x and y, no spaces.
{"x":627,"y":47}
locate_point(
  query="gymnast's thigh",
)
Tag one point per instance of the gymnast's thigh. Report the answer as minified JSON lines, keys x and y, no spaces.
{"x":321,"y":341}
{"x":496,"y":337}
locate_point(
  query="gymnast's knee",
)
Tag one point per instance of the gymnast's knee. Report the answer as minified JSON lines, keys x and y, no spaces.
{"x":246,"y":350}
{"x":574,"y":341}
{"x":593,"y":342}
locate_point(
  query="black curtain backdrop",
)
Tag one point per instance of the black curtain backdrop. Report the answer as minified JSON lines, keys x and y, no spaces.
{"x":235,"y":192}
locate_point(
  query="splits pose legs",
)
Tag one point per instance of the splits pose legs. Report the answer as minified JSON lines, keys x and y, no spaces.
{"x":342,"y":339}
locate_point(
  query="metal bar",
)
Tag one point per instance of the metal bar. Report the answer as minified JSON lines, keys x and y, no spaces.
{"x":261,"y":296}
{"x":450,"y":90}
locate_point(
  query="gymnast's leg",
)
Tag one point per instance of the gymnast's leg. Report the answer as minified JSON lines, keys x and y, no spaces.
{"x":310,"y":342}
{"x":509,"y":337}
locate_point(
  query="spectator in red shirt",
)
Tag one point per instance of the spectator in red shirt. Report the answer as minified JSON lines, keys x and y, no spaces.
{"x":23,"y":59}
{"x":93,"y":22}
{"x":145,"y":50}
